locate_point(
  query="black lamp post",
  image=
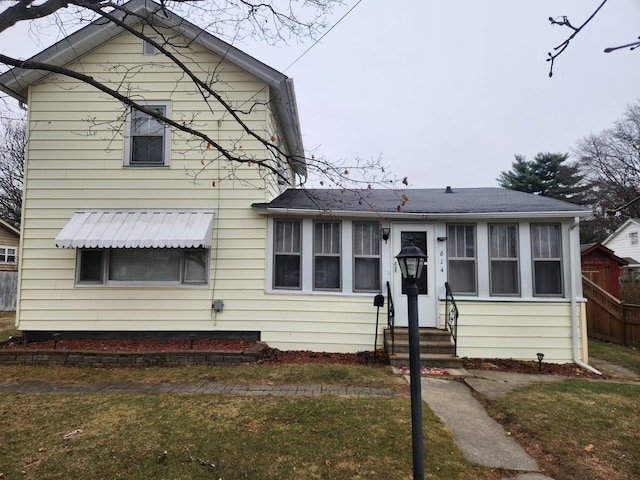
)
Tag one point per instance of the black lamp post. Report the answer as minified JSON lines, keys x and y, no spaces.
{"x":411,"y":260}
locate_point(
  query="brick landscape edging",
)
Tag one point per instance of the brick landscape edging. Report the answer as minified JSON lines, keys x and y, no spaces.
{"x":176,"y":358}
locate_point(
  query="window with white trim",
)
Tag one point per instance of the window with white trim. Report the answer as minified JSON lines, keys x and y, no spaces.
{"x":461,"y":251}
{"x":366,"y":256}
{"x":634,"y":238}
{"x":504,"y":277}
{"x":143,"y":266}
{"x":7,"y":254}
{"x":326,"y":255}
{"x":287,"y":251}
{"x":547,"y":261}
{"x":147,"y":142}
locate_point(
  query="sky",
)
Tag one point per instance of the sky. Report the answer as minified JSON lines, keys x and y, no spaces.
{"x":447,"y":92}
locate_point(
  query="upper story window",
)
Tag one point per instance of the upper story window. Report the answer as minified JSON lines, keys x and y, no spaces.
{"x":143,"y":266}
{"x":461,"y":249}
{"x":287,"y":251}
{"x":148,"y":48}
{"x":366,"y":257}
{"x":7,"y":254}
{"x":504,"y":278}
{"x":547,"y":261}
{"x":634,"y":238}
{"x":326,"y":256}
{"x":147,"y":142}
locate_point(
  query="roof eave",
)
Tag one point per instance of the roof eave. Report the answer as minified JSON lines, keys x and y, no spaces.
{"x":264,"y":209}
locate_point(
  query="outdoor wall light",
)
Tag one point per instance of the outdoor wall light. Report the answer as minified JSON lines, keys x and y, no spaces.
{"x":411,"y":260}
{"x":385,"y":234}
{"x":540,"y":357}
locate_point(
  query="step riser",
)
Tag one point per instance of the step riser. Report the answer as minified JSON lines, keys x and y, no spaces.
{"x":436,"y":348}
{"x":443,"y":350}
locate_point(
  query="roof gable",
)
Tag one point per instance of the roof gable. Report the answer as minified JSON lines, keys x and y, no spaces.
{"x":16,"y":81}
{"x":10,"y":228}
{"x":620,"y":229}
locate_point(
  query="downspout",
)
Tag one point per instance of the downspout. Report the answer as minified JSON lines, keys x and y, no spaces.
{"x":574,"y":302}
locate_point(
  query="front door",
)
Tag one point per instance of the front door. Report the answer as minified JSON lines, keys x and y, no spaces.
{"x":422,"y":236}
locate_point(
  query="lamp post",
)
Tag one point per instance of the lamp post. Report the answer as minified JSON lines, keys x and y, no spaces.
{"x":411,"y":260}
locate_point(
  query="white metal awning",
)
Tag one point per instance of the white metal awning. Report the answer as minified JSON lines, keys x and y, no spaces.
{"x":137,"y":229}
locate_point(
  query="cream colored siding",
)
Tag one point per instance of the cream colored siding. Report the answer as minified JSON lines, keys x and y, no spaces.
{"x":516,"y":330}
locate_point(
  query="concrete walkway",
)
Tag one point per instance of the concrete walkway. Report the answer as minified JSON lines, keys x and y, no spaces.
{"x":480,"y":438}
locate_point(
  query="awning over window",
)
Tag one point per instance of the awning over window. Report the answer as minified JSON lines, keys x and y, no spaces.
{"x":137,"y":229}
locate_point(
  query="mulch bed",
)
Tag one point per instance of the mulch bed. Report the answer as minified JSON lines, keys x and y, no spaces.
{"x":273,"y":356}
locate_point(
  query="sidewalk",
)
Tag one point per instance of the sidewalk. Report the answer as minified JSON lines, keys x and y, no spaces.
{"x":194,"y":387}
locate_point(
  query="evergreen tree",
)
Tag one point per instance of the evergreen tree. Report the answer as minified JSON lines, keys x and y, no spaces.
{"x":547,"y":175}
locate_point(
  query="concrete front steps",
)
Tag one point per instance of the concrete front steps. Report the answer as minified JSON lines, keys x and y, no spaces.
{"x":436,"y":348}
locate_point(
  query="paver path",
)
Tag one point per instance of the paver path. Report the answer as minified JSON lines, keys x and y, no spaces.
{"x":193,"y":387}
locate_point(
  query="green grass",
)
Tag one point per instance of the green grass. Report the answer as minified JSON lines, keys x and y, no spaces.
{"x":619,"y":354}
{"x":147,"y":437}
{"x":334,"y":374}
{"x":576,"y":428}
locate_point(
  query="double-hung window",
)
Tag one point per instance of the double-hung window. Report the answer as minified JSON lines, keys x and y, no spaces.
{"x":287,"y":254}
{"x":366,"y":257}
{"x":326,"y":255}
{"x":147,"y":142}
{"x":143,"y":266}
{"x":503,"y":256}
{"x":461,"y":248}
{"x":547,"y":262}
{"x":7,"y":255}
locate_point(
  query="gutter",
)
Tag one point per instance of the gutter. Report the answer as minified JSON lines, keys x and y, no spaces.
{"x":574,"y":303}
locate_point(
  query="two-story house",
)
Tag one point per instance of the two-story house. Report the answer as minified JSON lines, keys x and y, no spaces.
{"x":119,"y":239}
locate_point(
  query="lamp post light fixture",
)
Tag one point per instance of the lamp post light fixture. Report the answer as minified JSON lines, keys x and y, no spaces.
{"x":411,"y":260}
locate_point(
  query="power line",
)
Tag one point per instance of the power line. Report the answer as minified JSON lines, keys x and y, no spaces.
{"x":323,"y":35}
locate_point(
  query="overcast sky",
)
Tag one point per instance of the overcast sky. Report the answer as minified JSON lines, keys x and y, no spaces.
{"x":447,"y":92}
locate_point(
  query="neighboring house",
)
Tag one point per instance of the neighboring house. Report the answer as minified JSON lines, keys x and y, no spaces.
{"x":9,"y":246}
{"x":625,"y":243}
{"x":602,"y":267}
{"x":119,"y":245}
{"x":9,"y":243}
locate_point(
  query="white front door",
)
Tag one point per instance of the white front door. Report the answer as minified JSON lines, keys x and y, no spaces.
{"x":423,"y":237}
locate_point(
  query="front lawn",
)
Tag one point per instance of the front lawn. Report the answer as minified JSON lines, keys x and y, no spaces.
{"x":576,"y":429}
{"x":194,"y":436}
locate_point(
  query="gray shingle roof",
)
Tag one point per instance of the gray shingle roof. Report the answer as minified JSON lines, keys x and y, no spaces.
{"x":422,"y":201}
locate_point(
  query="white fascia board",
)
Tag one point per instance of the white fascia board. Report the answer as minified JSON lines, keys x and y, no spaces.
{"x":418,"y":216}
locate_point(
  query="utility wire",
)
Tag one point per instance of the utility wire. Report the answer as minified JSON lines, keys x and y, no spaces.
{"x":321,"y":37}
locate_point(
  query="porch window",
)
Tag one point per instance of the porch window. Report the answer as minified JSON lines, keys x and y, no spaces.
{"x":366,"y":257}
{"x":503,"y":256}
{"x":287,"y":254}
{"x":147,"y":142}
{"x":547,"y":262}
{"x":326,"y":255}
{"x":7,"y":255}
{"x":461,"y":249}
{"x":143,"y":266}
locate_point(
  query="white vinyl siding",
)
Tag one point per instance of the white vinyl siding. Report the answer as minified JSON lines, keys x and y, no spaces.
{"x":504,"y":269}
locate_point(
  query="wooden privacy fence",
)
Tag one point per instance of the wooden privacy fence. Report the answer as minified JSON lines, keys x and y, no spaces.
{"x":610,"y":319}
{"x":8,"y":291}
